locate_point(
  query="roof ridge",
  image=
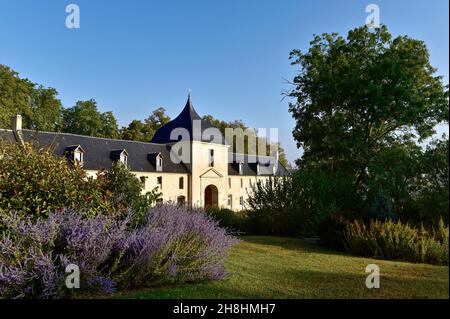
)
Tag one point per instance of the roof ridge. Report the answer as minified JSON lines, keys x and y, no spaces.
{"x":234,"y":153}
{"x":96,"y":137}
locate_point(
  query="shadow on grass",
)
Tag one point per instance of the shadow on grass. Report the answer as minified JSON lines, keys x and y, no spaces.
{"x":293,"y":244}
{"x":264,"y":267}
{"x":300,"y":284}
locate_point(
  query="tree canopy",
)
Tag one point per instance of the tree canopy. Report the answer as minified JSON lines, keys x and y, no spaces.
{"x":144,"y":130}
{"x":248,"y":148}
{"x":84,"y":118}
{"x":39,"y":106}
{"x":355,"y":95}
{"x":364,"y":106}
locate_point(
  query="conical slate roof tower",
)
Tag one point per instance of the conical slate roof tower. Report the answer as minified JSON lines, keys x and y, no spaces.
{"x":185,"y":120}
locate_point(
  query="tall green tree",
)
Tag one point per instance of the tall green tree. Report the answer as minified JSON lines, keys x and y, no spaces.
{"x":85,"y":119}
{"x":354,"y":96}
{"x":39,"y":106}
{"x":433,"y":183}
{"x":157,"y":119}
{"x":144,"y":130}
{"x":134,"y":132}
{"x":127,"y":190}
{"x":46,"y":110}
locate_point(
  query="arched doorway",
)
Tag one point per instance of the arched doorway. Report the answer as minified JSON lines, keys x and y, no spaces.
{"x":211,"y":196}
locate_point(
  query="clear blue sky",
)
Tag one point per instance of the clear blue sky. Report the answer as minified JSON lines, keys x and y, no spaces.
{"x":134,"y":56}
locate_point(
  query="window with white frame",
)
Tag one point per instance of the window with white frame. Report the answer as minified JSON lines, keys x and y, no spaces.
{"x":159,"y":163}
{"x":230,"y":201}
{"x":241,"y":201}
{"x":78,"y":156}
{"x":123,"y":158}
{"x":241,"y":168}
{"x":75,"y":154}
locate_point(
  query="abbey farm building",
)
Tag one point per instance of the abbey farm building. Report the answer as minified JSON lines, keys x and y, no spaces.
{"x":211,"y":175}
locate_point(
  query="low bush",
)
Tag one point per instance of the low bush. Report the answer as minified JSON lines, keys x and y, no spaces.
{"x":33,"y":182}
{"x":306,"y":203}
{"x":236,"y":222}
{"x":397,"y":240}
{"x":170,"y":245}
{"x":34,"y":253}
{"x":126,"y":190}
{"x":286,"y":222}
{"x":173,"y":245}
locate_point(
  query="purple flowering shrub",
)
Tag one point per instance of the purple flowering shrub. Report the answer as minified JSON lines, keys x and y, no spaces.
{"x":168,"y":245}
{"x":173,"y":245}
{"x":34,"y":254}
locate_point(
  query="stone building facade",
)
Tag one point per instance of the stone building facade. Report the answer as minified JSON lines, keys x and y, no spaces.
{"x":209,"y":173}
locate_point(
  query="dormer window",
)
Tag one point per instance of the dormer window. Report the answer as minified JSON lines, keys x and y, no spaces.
{"x":75,"y":153}
{"x":156,"y":159}
{"x":120,"y":156}
{"x":258,"y":169}
{"x":78,"y":157}
{"x":159,"y":163}
{"x":124,"y":158}
{"x":274,"y":170}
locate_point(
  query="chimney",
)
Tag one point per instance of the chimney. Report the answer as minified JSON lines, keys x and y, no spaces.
{"x":16,"y":122}
{"x":275,"y":156}
{"x":16,"y":125}
{"x":274,"y":153}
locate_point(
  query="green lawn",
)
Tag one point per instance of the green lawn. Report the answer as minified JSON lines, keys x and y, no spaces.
{"x":272,"y":267}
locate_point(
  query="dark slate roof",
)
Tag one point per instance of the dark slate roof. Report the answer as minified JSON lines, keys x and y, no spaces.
{"x":98,"y":151}
{"x":185,"y":120}
{"x":115,"y":155}
{"x":7,"y":135}
{"x":141,"y":156}
{"x":250,"y":162}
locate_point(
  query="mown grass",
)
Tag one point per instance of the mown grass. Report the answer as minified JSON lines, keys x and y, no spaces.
{"x":273,"y":267}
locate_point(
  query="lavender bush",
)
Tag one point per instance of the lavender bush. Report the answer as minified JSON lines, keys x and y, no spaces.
{"x":34,"y":254}
{"x":173,"y":245}
{"x":169,"y":245}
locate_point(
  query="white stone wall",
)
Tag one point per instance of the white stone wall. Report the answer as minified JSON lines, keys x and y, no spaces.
{"x":170,"y":187}
{"x":202,"y":176}
{"x":170,"y":184}
{"x":237,"y":191}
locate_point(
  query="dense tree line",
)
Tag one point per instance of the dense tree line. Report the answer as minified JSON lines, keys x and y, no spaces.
{"x":249,"y":148}
{"x":42,"y":110}
{"x":39,"y":106}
